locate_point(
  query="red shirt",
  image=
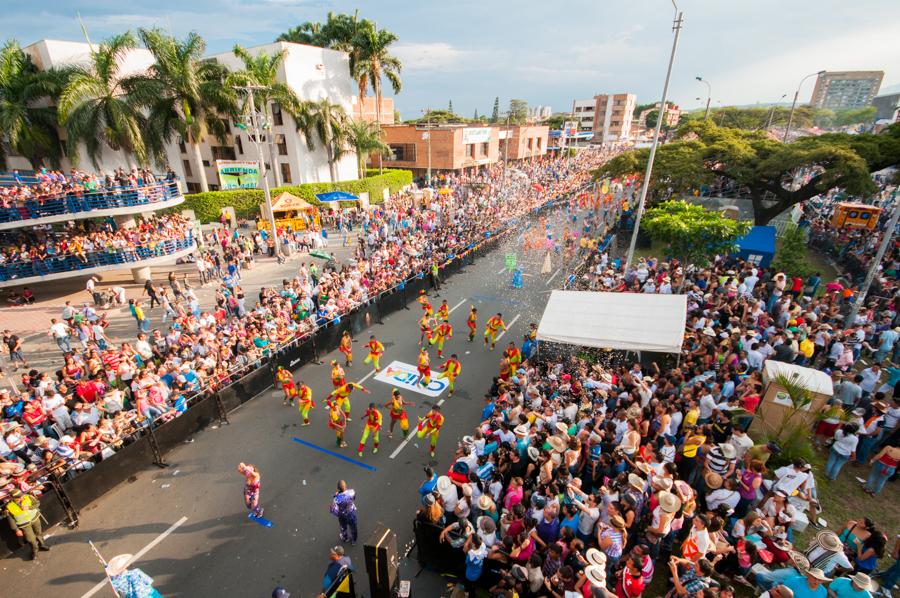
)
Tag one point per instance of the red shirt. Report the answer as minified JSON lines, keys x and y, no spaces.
{"x":630,"y":586}
{"x":750,"y":403}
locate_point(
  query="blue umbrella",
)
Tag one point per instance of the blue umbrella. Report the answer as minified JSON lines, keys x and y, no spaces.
{"x":336,"y":196}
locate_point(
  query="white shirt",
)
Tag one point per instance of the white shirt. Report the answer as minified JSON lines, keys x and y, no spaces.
{"x":845,"y":444}
{"x":789,"y":479}
{"x":707,"y":406}
{"x":59,"y":330}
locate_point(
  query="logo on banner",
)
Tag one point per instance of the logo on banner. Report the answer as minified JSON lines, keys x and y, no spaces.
{"x":404,"y":375}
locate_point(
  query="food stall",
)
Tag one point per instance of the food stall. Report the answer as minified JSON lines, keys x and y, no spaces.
{"x":294,"y":212}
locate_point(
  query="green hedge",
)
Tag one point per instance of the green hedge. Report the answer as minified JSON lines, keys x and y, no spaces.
{"x":246,"y":202}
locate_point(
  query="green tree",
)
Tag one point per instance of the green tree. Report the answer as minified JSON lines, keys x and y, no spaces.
{"x":753,"y":118}
{"x":475,"y":116}
{"x":791,"y":255}
{"x":495,"y":115}
{"x":438,"y":117}
{"x":185,"y":94}
{"x":261,"y":71}
{"x":769,"y":172}
{"x":693,"y":233}
{"x":28,"y":125}
{"x":308,"y":33}
{"x":557,"y":121}
{"x":518,"y":112}
{"x":824,"y":118}
{"x":326,"y":122}
{"x":376,"y":62}
{"x":855,"y":116}
{"x":365,"y":137}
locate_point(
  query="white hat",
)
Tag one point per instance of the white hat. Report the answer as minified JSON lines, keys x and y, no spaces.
{"x":533,"y":453}
{"x":863,"y":581}
{"x":596,"y":575}
{"x":118,"y":564}
{"x":728,"y":450}
{"x":521,"y":430}
{"x":562,"y":428}
{"x":557,"y":443}
{"x":668,"y":502}
{"x":595,"y":557}
{"x":444,"y":484}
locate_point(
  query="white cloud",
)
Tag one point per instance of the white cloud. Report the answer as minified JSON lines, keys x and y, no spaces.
{"x":433,"y":56}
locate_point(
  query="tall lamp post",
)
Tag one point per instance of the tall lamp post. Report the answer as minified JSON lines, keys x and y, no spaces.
{"x":676,"y":26}
{"x":428,"y":143}
{"x":708,"y":95}
{"x":794,"y":103}
{"x":772,"y":112}
{"x":255,"y":138}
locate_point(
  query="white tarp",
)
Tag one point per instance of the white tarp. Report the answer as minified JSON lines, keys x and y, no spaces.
{"x":626,"y":321}
{"x":814,"y":380}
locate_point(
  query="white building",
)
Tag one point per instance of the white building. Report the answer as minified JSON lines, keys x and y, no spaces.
{"x":583,"y":111}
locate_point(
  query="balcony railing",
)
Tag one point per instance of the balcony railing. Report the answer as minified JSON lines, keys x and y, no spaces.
{"x":79,"y":202}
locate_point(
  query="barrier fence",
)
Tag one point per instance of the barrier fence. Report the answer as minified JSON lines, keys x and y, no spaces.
{"x":148,"y":445}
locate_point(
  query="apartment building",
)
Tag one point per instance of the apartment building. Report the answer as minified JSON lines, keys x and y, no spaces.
{"x":583,"y":112}
{"x":613,"y":115}
{"x":838,"y":90}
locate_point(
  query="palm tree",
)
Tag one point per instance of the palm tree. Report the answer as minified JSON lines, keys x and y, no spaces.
{"x":308,"y":33}
{"x":262,"y":71}
{"x":28,"y":126}
{"x":97,"y":109}
{"x":365,"y":137}
{"x":327,"y":122}
{"x":185,"y":94}
{"x":376,"y":61}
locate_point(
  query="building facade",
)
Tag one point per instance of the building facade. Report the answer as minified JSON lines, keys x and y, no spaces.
{"x":583,"y":111}
{"x":839,"y":90}
{"x":613,"y":115}
{"x":888,"y":107}
{"x":365,"y":110}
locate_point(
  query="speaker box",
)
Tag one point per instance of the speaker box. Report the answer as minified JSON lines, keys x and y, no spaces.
{"x":382,"y":561}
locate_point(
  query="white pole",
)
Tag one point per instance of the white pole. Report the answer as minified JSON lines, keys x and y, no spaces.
{"x":103,"y":562}
{"x":262,"y":169}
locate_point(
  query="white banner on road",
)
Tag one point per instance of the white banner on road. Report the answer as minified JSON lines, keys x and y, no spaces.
{"x":403,"y":375}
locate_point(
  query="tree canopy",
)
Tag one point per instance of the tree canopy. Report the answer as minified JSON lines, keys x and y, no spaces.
{"x":772,"y":174}
{"x":518,"y":112}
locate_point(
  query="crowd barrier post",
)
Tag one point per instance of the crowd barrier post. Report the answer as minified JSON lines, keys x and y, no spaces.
{"x":68,"y":507}
{"x":316,"y":359}
{"x":223,"y":415}
{"x":158,"y":458}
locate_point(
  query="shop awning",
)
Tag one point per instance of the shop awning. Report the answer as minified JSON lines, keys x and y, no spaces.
{"x":624,"y":321}
{"x":336,"y":196}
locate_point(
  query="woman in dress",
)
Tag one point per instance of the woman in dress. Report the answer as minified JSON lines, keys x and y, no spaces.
{"x":130,"y":583}
{"x":251,"y":488}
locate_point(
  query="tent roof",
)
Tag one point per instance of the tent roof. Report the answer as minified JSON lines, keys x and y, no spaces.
{"x":627,"y":321}
{"x":759,"y":239}
{"x":815,"y":380}
{"x":286,"y":202}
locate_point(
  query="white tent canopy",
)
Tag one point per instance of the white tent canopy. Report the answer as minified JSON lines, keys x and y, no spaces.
{"x":625,"y":321}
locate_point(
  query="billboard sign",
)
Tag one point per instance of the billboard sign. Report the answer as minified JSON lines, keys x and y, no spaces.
{"x":237,"y":174}
{"x":403,"y":375}
{"x":476,"y":135}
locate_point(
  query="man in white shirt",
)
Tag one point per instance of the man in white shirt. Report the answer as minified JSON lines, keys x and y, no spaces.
{"x":60,"y":333}
{"x":741,"y":443}
{"x":707,"y":407}
{"x":870,"y":377}
{"x":792,"y":478}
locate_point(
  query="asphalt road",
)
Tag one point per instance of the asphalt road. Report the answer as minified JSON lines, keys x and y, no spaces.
{"x":192,"y":516}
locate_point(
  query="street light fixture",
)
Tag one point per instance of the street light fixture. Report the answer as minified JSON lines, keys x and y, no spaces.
{"x":708,"y":95}
{"x":794,"y":104}
{"x":772,"y":111}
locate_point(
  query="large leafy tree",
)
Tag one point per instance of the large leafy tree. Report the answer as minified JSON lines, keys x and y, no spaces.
{"x":309,"y":33}
{"x":261,"y":71}
{"x":775,"y":176}
{"x":365,"y":137}
{"x":28,"y":125}
{"x":186,"y":95}
{"x":99,"y":105}
{"x":325,"y":122}
{"x":754,"y":119}
{"x":518,"y":111}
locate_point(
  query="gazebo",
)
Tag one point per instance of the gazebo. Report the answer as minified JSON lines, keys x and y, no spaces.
{"x":293,"y":211}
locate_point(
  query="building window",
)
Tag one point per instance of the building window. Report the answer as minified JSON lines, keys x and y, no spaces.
{"x":193,"y":188}
{"x":213,"y":187}
{"x":484,"y":149}
{"x":539,"y":139}
{"x":403,"y":152}
{"x":206,"y":163}
{"x":286,"y":173}
{"x":181,"y":147}
{"x":277,"y":118}
{"x":222,"y":152}
{"x":187,"y":167}
{"x":530,"y":141}
{"x":281,"y":142}
{"x":239,"y":144}
{"x":470,"y":150}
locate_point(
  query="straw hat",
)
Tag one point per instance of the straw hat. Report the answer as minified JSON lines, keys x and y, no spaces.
{"x":617,"y":522}
{"x":879,"y":406}
{"x":118,"y":564}
{"x":562,"y":428}
{"x":662,"y":483}
{"x":533,"y":453}
{"x":557,"y":443}
{"x":829,"y":540}
{"x":863,"y":581}
{"x":595,"y":557}
{"x":636,"y":482}
{"x":596,"y":576}
{"x":444,"y":484}
{"x":643,"y":467}
{"x":728,"y":450}
{"x":521,"y":430}
{"x":817,"y":573}
{"x":485,"y":503}
{"x":713,"y":480}
{"x":801,"y":563}
{"x":669,"y":502}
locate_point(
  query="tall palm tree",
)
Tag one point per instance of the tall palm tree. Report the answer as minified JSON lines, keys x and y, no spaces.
{"x":28,"y":126}
{"x":97,"y":109}
{"x":262,"y":71}
{"x":376,"y":61}
{"x":185,"y":94}
{"x":327,"y":122}
{"x":365,"y":137}
{"x":308,"y":33}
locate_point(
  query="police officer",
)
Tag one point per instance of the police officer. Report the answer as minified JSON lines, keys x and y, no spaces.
{"x":24,"y":516}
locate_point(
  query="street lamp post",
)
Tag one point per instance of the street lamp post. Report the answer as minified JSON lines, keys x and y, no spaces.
{"x":255,"y":138}
{"x":679,"y":20}
{"x":772,"y":112}
{"x":428,"y":143}
{"x":708,"y":95}
{"x":506,"y":152}
{"x":794,"y":103}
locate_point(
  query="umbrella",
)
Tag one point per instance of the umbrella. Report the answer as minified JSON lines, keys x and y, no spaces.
{"x":336,"y":196}
{"x":323,"y":255}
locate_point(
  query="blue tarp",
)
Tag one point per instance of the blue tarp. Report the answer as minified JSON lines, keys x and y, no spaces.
{"x":758,"y":245}
{"x":336,"y":196}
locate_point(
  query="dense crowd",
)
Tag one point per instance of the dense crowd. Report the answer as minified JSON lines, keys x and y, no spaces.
{"x":586,"y":476}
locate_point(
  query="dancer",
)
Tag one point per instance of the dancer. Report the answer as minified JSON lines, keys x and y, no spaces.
{"x":251,"y":488}
{"x":337,"y":421}
{"x":343,"y":506}
{"x":472,"y":323}
{"x":514,"y":356}
{"x":304,"y":401}
{"x":441,"y":333}
{"x":431,"y":425}
{"x":376,"y":350}
{"x":425,"y":303}
{"x":424,"y":368}
{"x":424,"y":329}
{"x":373,"y":426}
{"x":341,"y":396}
{"x":337,"y":374}
{"x":347,"y":348}
{"x":284,"y":377}
{"x":398,"y":413}
{"x":450,"y":369}
{"x":493,"y":325}
{"x":443,"y":314}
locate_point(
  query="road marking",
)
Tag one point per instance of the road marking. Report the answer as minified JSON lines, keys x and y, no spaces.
{"x":508,"y":326}
{"x":366,"y":377}
{"x":502,"y":271}
{"x":139,"y":554}
{"x":334,"y":454}
{"x":452,"y":309}
{"x":552,"y":276}
{"x":406,"y":440}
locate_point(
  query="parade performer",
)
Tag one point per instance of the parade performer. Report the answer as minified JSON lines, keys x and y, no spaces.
{"x":129,"y":583}
{"x":337,"y":374}
{"x":514,"y":356}
{"x":373,"y":425}
{"x":304,"y":401}
{"x":472,"y":323}
{"x":376,"y":350}
{"x":491,"y":328}
{"x":505,"y":369}
{"x":284,"y":377}
{"x":424,"y":329}
{"x":431,"y":425}
{"x":425,"y":303}
{"x":398,"y":413}
{"x":337,"y":421}
{"x":443,"y":314}
{"x":251,"y":488}
{"x":441,"y":333}
{"x":450,"y":369}
{"x":347,"y":348}
{"x":424,"y":368}
{"x":343,"y":506}
{"x":341,"y":396}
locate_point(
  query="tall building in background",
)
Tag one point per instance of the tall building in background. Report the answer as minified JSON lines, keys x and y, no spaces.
{"x":613,"y":114}
{"x":583,"y":111}
{"x":888,"y":107}
{"x":838,"y":90}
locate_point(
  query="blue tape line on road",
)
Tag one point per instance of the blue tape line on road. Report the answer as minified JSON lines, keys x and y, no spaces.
{"x":334,"y":454}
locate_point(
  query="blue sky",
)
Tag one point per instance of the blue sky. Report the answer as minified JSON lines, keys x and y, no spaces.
{"x":546,"y":52}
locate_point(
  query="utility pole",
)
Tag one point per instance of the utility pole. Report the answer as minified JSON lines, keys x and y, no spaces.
{"x":255,"y":138}
{"x":708,"y":95}
{"x":772,"y":112}
{"x":506,"y":151}
{"x":787,"y":129}
{"x":428,"y":143}
{"x":679,"y":20}
{"x":873,"y":268}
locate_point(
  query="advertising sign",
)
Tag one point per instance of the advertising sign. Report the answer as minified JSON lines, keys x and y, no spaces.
{"x":237,"y":174}
{"x":403,"y":375}
{"x":476,"y":135}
